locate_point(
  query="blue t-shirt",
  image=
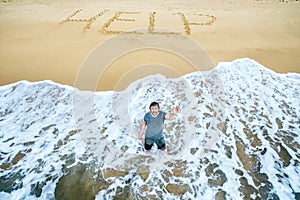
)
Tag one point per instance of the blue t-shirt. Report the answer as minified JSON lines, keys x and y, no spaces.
{"x":155,"y":125}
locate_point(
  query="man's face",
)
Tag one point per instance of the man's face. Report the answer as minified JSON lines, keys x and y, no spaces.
{"x":154,"y":110}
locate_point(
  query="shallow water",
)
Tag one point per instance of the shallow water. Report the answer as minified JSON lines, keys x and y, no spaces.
{"x":236,"y":137}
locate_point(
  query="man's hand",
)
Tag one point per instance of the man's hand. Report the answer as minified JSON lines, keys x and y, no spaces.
{"x":175,"y":110}
{"x":173,"y":114}
{"x":140,"y":136}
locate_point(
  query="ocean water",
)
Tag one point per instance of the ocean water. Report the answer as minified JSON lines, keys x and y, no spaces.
{"x":236,"y":136}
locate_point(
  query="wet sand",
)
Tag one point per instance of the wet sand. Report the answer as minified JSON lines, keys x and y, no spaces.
{"x":49,"y":40}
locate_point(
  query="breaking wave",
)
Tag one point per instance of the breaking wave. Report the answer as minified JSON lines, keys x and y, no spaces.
{"x":236,"y":136}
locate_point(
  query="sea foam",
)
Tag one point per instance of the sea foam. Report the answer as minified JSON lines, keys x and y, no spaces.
{"x":236,"y":135}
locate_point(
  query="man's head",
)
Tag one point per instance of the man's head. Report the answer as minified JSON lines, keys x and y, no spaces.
{"x":154,"y":108}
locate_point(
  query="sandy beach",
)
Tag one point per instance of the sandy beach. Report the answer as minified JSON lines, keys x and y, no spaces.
{"x":49,"y":40}
{"x":236,"y":135}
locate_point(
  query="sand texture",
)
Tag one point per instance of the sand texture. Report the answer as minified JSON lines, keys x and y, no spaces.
{"x":49,"y":40}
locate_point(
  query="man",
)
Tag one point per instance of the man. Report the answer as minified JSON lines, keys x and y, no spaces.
{"x":154,"y":123}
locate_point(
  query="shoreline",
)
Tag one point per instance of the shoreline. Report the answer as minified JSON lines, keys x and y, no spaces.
{"x":36,"y":47}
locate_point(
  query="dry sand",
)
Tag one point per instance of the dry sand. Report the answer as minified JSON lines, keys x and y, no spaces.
{"x":39,"y":42}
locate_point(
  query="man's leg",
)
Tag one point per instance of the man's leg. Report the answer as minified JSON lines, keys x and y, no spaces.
{"x":148,"y":144}
{"x":161,"y":145}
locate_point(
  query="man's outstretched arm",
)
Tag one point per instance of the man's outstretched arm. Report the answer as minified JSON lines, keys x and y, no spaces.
{"x":173,"y":114}
{"x":143,"y":126}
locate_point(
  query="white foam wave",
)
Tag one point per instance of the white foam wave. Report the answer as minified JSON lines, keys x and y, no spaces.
{"x":237,"y":134}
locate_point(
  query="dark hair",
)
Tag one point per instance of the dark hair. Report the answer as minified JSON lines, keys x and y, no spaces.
{"x":154,"y":104}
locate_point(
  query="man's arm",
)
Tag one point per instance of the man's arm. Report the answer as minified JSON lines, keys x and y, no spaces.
{"x":173,"y":114}
{"x":143,"y":126}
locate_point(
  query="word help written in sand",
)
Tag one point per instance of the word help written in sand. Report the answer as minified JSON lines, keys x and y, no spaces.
{"x":117,"y":17}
